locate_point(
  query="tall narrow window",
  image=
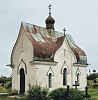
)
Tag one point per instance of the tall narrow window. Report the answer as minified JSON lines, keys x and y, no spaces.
{"x":78,"y":78}
{"x":64,"y":77}
{"x":50,"y":80}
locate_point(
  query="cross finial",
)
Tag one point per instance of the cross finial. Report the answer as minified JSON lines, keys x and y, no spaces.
{"x":64,"y":31}
{"x":49,"y":9}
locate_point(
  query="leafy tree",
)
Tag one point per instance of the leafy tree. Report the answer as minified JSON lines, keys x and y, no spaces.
{"x":3,"y":80}
{"x":92,"y":76}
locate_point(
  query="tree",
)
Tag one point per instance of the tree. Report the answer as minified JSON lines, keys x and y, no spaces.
{"x":92,"y":76}
{"x":3,"y":80}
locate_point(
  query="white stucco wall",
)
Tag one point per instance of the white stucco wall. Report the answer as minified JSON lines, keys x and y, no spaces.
{"x":21,"y":56}
{"x":82,"y":76}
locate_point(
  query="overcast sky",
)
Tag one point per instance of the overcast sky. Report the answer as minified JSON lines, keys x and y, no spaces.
{"x":79,"y":17}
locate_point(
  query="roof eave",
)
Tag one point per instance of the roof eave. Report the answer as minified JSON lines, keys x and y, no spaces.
{"x":81,"y":64}
{"x":42,"y":63}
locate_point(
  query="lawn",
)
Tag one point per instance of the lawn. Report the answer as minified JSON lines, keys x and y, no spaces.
{"x":3,"y":90}
{"x":5,"y":97}
{"x":93,"y":93}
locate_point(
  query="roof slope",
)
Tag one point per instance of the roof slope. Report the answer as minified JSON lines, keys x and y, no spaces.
{"x":79,"y":53}
{"x":47,"y":42}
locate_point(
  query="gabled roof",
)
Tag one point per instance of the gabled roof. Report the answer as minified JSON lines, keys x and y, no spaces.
{"x":47,"y":41}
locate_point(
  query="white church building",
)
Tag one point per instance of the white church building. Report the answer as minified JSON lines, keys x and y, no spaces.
{"x":46,"y":57}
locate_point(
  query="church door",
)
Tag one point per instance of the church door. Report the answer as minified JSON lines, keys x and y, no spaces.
{"x":22,"y":81}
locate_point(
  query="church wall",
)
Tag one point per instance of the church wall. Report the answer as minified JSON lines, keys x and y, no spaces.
{"x":31,"y":74}
{"x":64,"y":59}
{"x":14,"y":79}
{"x":58,"y":76}
{"x":64,"y":54}
{"x":21,"y":56}
{"x":14,"y":62}
{"x":42,"y":74}
{"x":82,"y":76}
{"x":28,"y":57}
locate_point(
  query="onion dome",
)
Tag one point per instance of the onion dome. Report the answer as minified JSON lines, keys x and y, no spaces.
{"x":50,"y":21}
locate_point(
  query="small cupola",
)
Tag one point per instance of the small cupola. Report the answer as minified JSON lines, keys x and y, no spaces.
{"x":50,"y":21}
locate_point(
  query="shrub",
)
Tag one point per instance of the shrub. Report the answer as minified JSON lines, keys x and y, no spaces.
{"x":36,"y":92}
{"x":2,"y":89}
{"x":63,"y":94}
{"x":13,"y":92}
{"x":75,"y":95}
{"x":58,"y":94}
{"x":8,"y":85}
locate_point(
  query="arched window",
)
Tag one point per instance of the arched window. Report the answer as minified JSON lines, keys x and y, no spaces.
{"x":64,"y":77}
{"x":78,"y":78}
{"x":50,"y":80}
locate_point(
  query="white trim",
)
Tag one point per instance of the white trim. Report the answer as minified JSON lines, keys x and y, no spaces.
{"x":42,"y":63}
{"x":80,"y":65}
{"x":65,"y":66}
{"x":50,"y":71}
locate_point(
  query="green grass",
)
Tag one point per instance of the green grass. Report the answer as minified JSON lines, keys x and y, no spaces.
{"x":3,"y":90}
{"x":93,"y":93}
{"x":5,"y":97}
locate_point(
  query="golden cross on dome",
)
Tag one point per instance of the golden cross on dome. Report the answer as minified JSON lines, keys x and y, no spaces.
{"x":49,"y":9}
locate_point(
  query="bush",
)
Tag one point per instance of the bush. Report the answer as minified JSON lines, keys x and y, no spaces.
{"x":36,"y":92}
{"x":75,"y":95}
{"x":58,"y":94}
{"x":63,"y":94}
{"x":8,"y":85}
{"x":13,"y":92}
{"x":2,"y":89}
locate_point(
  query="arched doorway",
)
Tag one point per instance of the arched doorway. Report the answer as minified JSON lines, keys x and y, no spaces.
{"x":64,"y":77}
{"x":22,"y":81}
